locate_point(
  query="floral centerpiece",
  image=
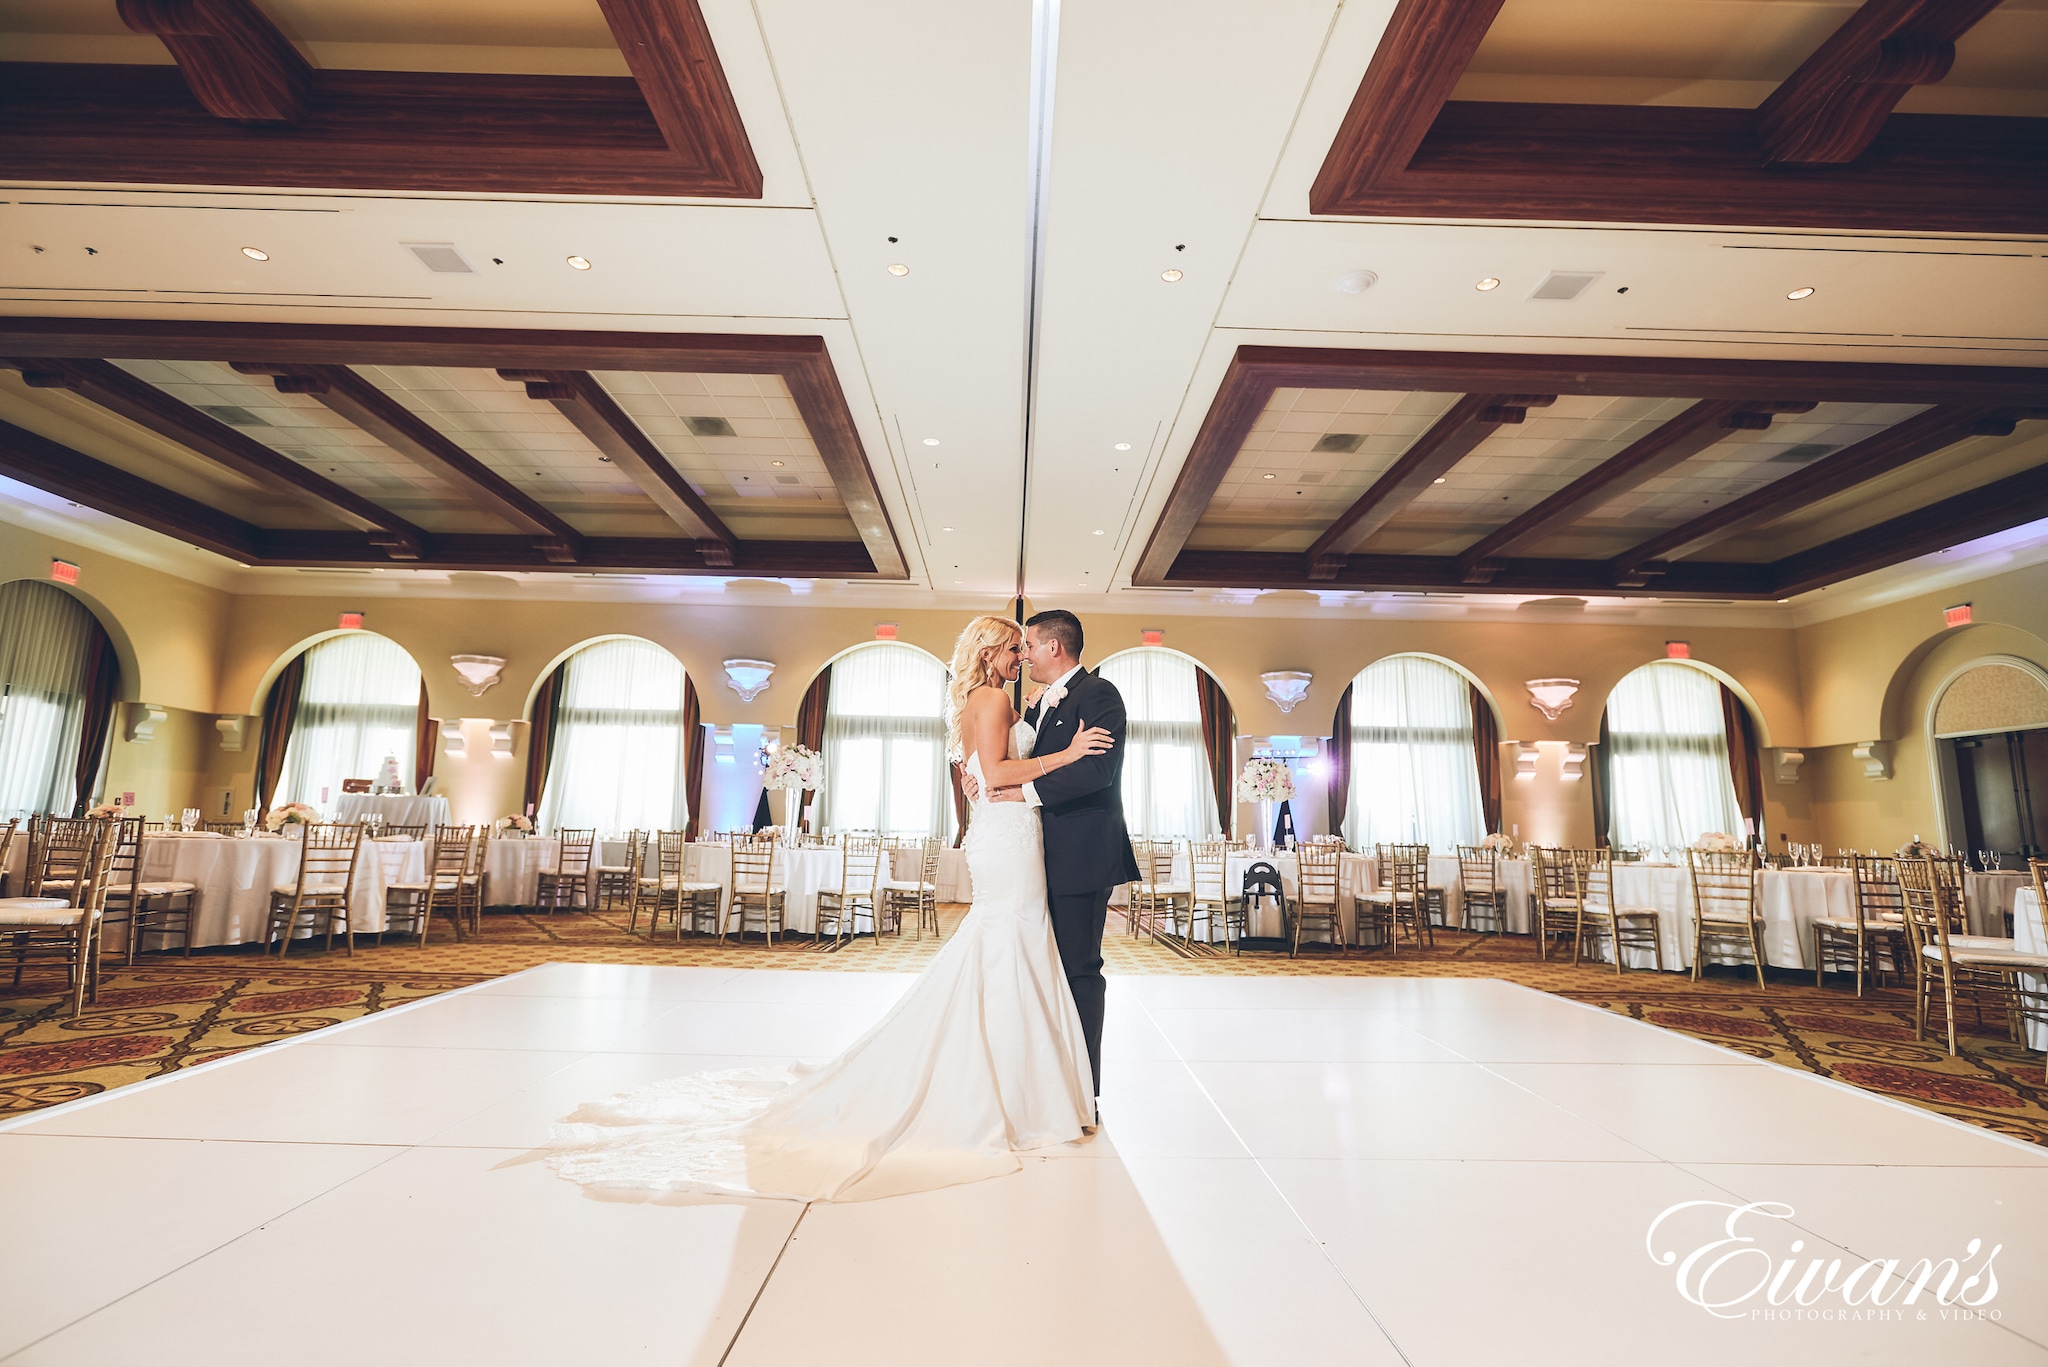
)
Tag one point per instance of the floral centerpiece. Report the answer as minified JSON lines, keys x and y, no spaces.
{"x":522,"y":824}
{"x":1498,"y":840}
{"x":106,"y":811}
{"x":290,"y":814}
{"x":1916,"y":848}
{"x":1265,"y":780}
{"x":795,"y":768}
{"x":1717,"y":842}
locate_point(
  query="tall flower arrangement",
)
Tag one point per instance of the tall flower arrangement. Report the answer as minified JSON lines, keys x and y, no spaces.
{"x":291,"y":814}
{"x":1265,"y":780}
{"x":795,"y":766}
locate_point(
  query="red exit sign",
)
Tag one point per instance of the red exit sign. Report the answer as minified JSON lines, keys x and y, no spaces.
{"x":63,"y":571}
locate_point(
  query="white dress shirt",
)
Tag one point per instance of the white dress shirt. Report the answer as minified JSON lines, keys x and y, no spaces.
{"x":1031,"y":789}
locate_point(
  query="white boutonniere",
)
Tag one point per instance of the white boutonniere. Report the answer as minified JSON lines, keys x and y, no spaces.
{"x":1051,"y":698}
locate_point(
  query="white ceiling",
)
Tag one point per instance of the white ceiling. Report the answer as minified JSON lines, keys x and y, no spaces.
{"x":1180,"y":137}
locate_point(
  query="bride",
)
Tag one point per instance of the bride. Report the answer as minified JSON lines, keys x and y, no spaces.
{"x":981,"y":1059}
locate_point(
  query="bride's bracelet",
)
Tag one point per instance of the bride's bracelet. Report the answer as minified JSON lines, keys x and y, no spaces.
{"x":1041,"y":768}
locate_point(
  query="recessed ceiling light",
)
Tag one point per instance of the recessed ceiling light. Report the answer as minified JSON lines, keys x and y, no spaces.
{"x":1169,"y":276}
{"x":1357,"y":282}
{"x":898,"y":268}
{"x":1269,"y":476}
{"x":1440,"y":479}
{"x":945,"y":529}
{"x":255,"y":253}
{"x":1123,"y":446}
{"x":931,"y":441}
{"x":581,"y":263}
{"x":1491,"y":282}
{"x":1803,"y":292}
{"x":1098,"y":531}
{"x":776,"y":463}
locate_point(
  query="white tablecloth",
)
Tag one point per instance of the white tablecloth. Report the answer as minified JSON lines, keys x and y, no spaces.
{"x":397,"y":809}
{"x":2030,"y":937}
{"x":1789,"y":899}
{"x":234,"y":878}
{"x":1987,"y":897}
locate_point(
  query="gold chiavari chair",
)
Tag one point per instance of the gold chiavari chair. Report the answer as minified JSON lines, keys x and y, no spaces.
{"x":658,"y":889}
{"x":1315,"y":899}
{"x":1601,"y":917}
{"x":860,"y":882}
{"x":1854,"y":944}
{"x":1724,"y":905}
{"x":1486,"y":898}
{"x":699,"y":900}
{"x":160,"y":908}
{"x":754,"y":894}
{"x":1977,"y":964}
{"x":222,"y":827}
{"x":8,"y":835}
{"x":918,"y":895}
{"x":618,"y":883}
{"x":412,"y":905}
{"x":1158,"y":899}
{"x":568,"y":883}
{"x":321,"y":892}
{"x":1398,"y":898}
{"x":1210,"y":901}
{"x":403,"y":832}
{"x":69,"y":932}
{"x":58,"y":848}
{"x":1555,"y":911}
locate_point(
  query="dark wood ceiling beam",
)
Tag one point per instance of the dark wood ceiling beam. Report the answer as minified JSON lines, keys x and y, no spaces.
{"x":602,"y":554}
{"x":59,"y":470}
{"x":1833,"y":107}
{"x":142,"y":403}
{"x":1440,"y":574}
{"x":578,"y":396}
{"x":1469,"y":421}
{"x":1991,"y":508}
{"x":1670,"y":445}
{"x":1423,"y":53}
{"x":370,"y":409}
{"x":1240,"y":399}
{"x":1920,"y":435}
{"x":232,"y":57}
{"x":669,"y":51}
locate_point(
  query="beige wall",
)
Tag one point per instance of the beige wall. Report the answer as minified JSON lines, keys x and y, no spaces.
{"x":1820,"y":688}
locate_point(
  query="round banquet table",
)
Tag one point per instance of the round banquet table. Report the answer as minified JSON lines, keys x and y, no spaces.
{"x":1988,"y":898}
{"x":234,"y":878}
{"x":2030,"y":937}
{"x":1789,"y":900}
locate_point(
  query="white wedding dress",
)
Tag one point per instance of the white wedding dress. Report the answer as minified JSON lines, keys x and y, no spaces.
{"x":983,"y":1058}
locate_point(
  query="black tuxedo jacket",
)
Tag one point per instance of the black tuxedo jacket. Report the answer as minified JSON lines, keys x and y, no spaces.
{"x":1087,"y":847}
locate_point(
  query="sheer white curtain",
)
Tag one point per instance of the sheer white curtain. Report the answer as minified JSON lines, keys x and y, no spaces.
{"x":1668,"y":760}
{"x":360,"y":702}
{"x":885,"y":744}
{"x":1167,"y":791}
{"x":47,"y":639}
{"x":617,"y":763}
{"x":1414,"y":775}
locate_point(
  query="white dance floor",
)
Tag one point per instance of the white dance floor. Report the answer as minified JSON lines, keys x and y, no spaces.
{"x":1291,"y":1171}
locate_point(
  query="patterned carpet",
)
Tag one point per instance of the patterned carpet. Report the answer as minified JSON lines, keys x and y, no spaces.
{"x":172,"y":1012}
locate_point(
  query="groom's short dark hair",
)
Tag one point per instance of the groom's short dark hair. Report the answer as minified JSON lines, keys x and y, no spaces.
{"x":1062,"y":626}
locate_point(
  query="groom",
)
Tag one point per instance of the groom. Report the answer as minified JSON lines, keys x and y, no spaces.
{"x":1087,"y":849}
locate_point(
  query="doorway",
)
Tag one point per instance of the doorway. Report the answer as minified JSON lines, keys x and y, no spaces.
{"x":2002,"y":791}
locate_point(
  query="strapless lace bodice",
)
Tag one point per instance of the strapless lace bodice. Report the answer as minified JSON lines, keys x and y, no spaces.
{"x":1022,"y":738}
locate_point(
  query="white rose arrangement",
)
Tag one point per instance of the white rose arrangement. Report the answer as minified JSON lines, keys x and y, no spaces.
{"x":1265,"y":780}
{"x":1717,"y":842}
{"x":290,"y":814}
{"x":795,"y":766}
{"x":1497,"y":840}
{"x":522,"y":824}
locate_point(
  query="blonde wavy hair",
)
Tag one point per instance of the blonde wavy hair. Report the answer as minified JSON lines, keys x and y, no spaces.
{"x":970,"y":669}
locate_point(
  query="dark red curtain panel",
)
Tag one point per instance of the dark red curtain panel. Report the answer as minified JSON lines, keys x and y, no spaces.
{"x":693,"y":758}
{"x":1745,"y":761}
{"x":1219,"y":739}
{"x":280,"y":715}
{"x":1602,"y":781}
{"x":810,"y":713}
{"x":426,"y":740}
{"x":540,"y":740}
{"x":102,"y":696}
{"x":1340,"y":762}
{"x":1486,"y":752}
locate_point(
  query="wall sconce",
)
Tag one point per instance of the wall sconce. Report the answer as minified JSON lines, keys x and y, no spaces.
{"x":233,"y":731}
{"x":1574,"y":762}
{"x":1525,"y":761}
{"x":143,"y":720}
{"x":1875,"y":756}
{"x":748,"y":677}
{"x":501,"y":739}
{"x":1551,"y":696}
{"x":1287,"y":687}
{"x":454,"y":744}
{"x":478,"y":672}
{"x":1785,"y":765}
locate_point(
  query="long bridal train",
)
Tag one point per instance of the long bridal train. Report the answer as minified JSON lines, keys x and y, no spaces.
{"x":981,"y":1059}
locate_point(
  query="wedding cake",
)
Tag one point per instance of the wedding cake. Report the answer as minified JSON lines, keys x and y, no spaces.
{"x":387,"y":777}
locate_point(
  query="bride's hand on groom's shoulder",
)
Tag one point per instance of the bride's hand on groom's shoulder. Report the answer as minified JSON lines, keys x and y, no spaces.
{"x":1031,"y":698}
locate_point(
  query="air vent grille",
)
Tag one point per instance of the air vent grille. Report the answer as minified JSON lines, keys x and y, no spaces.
{"x":709,"y":427}
{"x":1802,"y":454}
{"x":1564,"y":285}
{"x":1345,"y":442}
{"x":440,"y":257}
{"x":233,"y":414}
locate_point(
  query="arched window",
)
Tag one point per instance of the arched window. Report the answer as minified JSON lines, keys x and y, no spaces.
{"x":1667,"y":758}
{"x":1414,"y":772}
{"x":358,"y":704}
{"x":616,"y":763}
{"x":1166,"y":777}
{"x":58,"y":681}
{"x":885,"y":743}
